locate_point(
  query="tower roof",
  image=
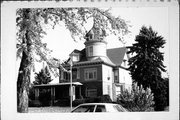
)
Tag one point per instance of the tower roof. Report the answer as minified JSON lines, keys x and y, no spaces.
{"x":97,"y":33}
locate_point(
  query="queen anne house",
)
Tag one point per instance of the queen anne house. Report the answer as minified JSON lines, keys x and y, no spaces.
{"x":96,"y":70}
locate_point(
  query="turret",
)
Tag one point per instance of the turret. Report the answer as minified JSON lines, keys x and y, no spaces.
{"x":95,"y":44}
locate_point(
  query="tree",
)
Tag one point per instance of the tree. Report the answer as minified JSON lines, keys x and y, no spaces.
{"x":43,"y":77}
{"x":137,"y":99}
{"x":30,"y":24}
{"x":147,"y":64}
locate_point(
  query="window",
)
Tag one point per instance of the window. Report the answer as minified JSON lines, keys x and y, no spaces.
{"x":75,"y":58}
{"x":66,"y":76}
{"x":91,"y":92}
{"x":90,"y":50}
{"x":78,"y":73}
{"x":116,"y":76}
{"x":75,"y":73}
{"x":90,"y":74}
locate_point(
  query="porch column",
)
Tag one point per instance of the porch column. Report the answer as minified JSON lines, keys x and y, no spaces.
{"x":52,"y":95}
{"x":80,"y":95}
{"x":36,"y":93}
{"x":73,"y":92}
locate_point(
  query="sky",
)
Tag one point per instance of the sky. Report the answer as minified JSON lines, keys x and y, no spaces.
{"x":60,"y":41}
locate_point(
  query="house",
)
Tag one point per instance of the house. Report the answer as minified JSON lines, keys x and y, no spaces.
{"x":100,"y":70}
{"x":96,"y":70}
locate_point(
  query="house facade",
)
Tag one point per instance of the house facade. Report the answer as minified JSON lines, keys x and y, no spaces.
{"x":101,"y":71}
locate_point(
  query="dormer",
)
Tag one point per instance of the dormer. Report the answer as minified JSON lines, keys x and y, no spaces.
{"x":76,"y":54}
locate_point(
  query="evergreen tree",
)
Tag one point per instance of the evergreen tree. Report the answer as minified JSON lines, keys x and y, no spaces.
{"x":147,"y":64}
{"x":43,"y":77}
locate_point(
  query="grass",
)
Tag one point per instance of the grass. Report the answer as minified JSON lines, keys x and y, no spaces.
{"x":49,"y":109}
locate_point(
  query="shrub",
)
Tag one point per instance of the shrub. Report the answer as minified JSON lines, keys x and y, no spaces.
{"x":78,"y":102}
{"x":62,"y":102}
{"x":137,"y":100}
{"x":34,"y":103}
{"x":105,"y":99}
{"x":92,"y":100}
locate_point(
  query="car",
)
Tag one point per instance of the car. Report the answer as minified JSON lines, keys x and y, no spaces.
{"x":99,"y":107}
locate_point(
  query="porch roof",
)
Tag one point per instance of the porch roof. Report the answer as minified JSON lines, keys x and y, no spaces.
{"x":58,"y":84}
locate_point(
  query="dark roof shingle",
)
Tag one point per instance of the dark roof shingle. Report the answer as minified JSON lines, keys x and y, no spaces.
{"x":116,"y":55}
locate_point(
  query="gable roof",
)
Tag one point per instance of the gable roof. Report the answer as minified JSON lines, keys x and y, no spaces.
{"x":116,"y":55}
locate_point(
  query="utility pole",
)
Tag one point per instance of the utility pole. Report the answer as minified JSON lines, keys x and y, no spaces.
{"x":71,"y":92}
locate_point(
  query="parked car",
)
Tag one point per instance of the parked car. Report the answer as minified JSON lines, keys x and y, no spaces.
{"x":99,"y":107}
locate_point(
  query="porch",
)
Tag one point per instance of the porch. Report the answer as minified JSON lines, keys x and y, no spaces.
{"x":60,"y":91}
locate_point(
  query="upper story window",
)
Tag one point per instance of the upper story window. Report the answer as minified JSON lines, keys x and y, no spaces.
{"x":116,"y":76}
{"x":90,"y":51}
{"x":90,"y":74}
{"x":66,"y":76}
{"x":75,"y":73}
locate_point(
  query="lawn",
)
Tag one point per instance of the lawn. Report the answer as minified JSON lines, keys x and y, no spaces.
{"x":49,"y":109}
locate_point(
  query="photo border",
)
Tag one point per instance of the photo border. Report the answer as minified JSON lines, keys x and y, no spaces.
{"x":8,"y":61}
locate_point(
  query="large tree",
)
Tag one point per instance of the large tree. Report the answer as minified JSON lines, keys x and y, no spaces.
{"x":146,"y":65}
{"x":30,"y":31}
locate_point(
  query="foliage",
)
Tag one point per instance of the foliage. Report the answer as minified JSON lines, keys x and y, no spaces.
{"x":105,"y":99}
{"x":166,"y":83}
{"x":99,"y":99}
{"x":137,"y":100}
{"x":43,"y":77}
{"x":147,"y":64}
{"x":78,"y":102}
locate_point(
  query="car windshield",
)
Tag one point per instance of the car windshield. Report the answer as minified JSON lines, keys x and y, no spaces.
{"x":84,"y":108}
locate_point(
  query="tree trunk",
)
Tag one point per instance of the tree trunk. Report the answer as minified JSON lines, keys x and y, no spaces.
{"x":24,"y":78}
